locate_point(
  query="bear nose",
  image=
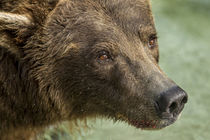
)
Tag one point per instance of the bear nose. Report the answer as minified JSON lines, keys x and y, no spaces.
{"x":171,"y":102}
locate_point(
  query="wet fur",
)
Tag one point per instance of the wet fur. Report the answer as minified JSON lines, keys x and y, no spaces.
{"x":43,"y":61}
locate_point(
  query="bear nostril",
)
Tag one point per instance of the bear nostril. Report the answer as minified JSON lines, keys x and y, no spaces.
{"x":171,"y":102}
{"x":184,"y":100}
{"x":172,"y":107}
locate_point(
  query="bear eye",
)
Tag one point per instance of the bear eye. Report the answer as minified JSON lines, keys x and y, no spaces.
{"x":104,"y":56}
{"x":152,"y":41}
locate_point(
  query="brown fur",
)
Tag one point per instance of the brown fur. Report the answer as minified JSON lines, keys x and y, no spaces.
{"x":48,"y":67}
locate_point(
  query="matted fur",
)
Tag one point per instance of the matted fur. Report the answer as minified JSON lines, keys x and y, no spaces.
{"x":50,"y":69}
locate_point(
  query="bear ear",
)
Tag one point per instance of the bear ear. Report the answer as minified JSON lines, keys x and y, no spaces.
{"x":10,"y":21}
{"x":20,"y":25}
{"x":14,"y":29}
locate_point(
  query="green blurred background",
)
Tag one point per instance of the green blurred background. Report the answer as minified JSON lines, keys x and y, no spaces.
{"x":184,"y":38}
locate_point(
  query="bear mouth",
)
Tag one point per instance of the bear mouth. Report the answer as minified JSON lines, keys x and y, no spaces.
{"x":147,"y":124}
{"x":152,"y":124}
{"x":144,"y":124}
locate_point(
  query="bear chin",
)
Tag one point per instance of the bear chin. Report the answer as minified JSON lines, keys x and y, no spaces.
{"x":155,"y":124}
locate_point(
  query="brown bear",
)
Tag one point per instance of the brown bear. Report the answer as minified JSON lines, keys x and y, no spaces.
{"x":73,"y":59}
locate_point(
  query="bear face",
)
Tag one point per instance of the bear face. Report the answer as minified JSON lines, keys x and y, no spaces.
{"x":100,"y":58}
{"x":77,"y":59}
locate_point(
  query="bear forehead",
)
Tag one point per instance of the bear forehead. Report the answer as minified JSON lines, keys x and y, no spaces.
{"x":132,"y":16}
{"x":91,"y":22}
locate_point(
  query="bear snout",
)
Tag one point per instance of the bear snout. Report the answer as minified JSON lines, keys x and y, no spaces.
{"x":170,"y":103}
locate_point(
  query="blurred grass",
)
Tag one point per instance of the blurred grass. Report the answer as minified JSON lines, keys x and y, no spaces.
{"x":184,"y":40}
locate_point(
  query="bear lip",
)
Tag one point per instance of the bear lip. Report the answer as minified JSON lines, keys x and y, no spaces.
{"x":152,"y":124}
{"x":148,"y":124}
{"x":144,"y":124}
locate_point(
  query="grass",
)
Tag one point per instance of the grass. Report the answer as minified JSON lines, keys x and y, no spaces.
{"x":183,"y":27}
